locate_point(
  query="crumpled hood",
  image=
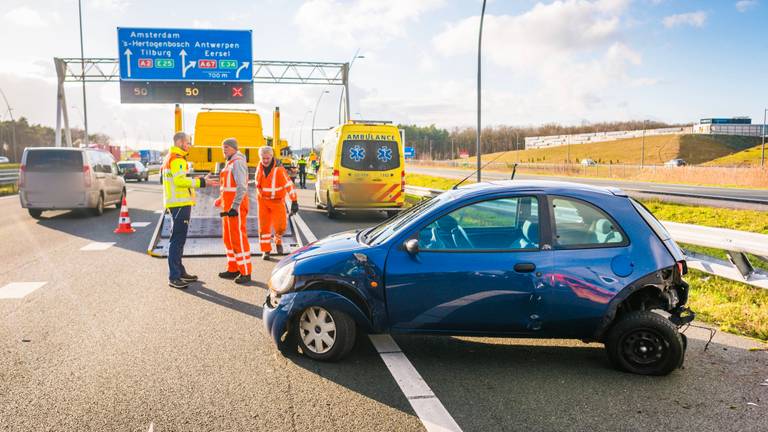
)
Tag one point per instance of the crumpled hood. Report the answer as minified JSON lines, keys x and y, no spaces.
{"x":340,"y":242}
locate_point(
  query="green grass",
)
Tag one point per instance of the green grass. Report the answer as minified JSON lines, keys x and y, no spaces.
{"x":742,"y":220}
{"x":9,"y":166}
{"x":732,"y":306}
{"x":746,"y":157}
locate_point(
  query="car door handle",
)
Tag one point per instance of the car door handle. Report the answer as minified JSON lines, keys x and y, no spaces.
{"x":525,"y":267}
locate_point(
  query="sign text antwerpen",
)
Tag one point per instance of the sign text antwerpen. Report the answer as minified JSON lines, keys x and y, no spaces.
{"x":184,"y":54}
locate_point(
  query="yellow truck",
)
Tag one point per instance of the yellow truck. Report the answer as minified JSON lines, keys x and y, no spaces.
{"x":362,"y":167}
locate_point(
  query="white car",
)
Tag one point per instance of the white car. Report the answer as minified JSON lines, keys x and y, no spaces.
{"x":588,"y":162}
{"x":674,"y":163}
{"x":4,"y":159}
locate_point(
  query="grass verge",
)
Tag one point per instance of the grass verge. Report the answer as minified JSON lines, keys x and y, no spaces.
{"x":8,"y":189}
{"x":732,"y":306}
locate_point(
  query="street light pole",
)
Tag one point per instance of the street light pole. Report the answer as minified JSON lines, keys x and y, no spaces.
{"x":345,"y":89}
{"x":642,"y":146}
{"x":82,"y":69}
{"x":13,"y":127}
{"x":762,"y":152}
{"x":479,"y":63}
{"x":314,"y":115}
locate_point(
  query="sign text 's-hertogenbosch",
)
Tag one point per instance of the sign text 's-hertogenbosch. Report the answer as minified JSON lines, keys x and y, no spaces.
{"x":184,"y":54}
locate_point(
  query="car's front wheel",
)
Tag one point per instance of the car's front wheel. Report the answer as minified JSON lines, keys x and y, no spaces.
{"x":35,"y":213}
{"x":324,"y":334}
{"x":645,"y":343}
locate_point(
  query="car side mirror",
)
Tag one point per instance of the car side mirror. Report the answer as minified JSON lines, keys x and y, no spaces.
{"x":412,"y":246}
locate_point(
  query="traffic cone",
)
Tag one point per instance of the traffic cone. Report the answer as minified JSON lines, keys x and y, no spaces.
{"x":124,"y":222}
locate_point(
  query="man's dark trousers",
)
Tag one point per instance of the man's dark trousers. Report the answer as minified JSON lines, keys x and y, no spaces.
{"x":180,"y":224}
{"x":303,"y":176}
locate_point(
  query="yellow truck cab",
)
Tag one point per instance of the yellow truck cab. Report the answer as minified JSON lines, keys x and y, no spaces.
{"x":213,"y":126}
{"x":362,"y":167}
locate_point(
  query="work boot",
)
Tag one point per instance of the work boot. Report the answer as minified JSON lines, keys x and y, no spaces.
{"x":229,"y":275}
{"x":188,"y":278}
{"x":243,"y":279}
{"x":265,"y":256}
{"x":178,"y":284}
{"x":279,"y":248}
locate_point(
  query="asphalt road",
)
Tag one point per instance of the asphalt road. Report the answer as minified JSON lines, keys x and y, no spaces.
{"x":105,"y":345}
{"x":752,"y":198}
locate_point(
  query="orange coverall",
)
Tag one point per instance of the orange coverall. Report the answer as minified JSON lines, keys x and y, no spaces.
{"x":234,"y":231}
{"x":271,"y":190}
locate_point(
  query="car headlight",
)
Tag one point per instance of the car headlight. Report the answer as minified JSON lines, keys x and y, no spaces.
{"x":282,"y":279}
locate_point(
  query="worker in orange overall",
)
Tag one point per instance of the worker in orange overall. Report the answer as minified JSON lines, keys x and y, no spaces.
{"x":272,"y":184}
{"x":233,"y":200}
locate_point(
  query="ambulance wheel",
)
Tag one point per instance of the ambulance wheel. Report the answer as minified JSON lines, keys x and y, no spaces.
{"x":392,"y":213}
{"x":99,"y":209}
{"x":329,"y":210}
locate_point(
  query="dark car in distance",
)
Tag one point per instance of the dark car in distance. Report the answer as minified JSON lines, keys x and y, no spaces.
{"x":523,"y":259}
{"x":133,"y":170}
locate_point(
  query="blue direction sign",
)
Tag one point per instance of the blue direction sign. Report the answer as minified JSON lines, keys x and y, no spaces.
{"x":409,"y":152}
{"x":148,"y":54}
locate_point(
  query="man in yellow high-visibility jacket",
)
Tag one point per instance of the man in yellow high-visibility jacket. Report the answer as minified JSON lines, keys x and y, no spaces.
{"x":178,"y":198}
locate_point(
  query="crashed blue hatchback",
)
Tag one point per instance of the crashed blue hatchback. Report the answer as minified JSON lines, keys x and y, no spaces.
{"x":523,"y":259}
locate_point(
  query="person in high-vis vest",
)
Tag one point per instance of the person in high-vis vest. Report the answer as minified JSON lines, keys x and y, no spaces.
{"x":302,"y":164}
{"x":233,"y":200}
{"x":272,"y":184}
{"x":178,"y":199}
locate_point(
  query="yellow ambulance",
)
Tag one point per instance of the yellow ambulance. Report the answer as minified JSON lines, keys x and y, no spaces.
{"x":362,"y":167}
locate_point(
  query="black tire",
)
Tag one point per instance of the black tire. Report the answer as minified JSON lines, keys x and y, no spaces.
{"x":392,"y":213}
{"x":119,"y":202}
{"x":329,"y":210}
{"x":99,"y":209}
{"x":35,"y":213}
{"x":343,"y":338}
{"x":645,"y":343}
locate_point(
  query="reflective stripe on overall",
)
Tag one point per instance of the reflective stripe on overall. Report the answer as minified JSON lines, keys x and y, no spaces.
{"x":272,"y":213}
{"x":234,"y":229}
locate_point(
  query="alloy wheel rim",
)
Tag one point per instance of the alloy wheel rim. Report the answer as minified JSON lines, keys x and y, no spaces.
{"x":317,"y":329}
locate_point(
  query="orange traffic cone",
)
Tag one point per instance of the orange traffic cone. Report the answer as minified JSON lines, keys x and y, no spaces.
{"x":124,"y":222}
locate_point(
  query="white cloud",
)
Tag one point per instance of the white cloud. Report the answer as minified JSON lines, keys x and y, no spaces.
{"x":570,"y":50}
{"x":693,"y":19}
{"x":369,"y":23}
{"x":23,"y":16}
{"x":745,"y":5}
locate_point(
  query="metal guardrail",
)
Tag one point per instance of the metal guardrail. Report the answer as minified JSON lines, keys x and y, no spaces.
{"x":736,"y":244}
{"x":9,"y":176}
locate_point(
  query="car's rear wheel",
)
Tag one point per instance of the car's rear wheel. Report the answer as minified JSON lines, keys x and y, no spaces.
{"x":35,"y":213}
{"x":324,"y":334}
{"x":645,"y":343}
{"x":99,"y":209}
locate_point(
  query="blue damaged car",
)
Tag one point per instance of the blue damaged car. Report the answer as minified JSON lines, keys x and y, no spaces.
{"x":523,"y":259}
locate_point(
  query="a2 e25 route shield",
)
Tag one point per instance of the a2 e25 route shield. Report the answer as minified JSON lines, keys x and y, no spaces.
{"x":149,"y":54}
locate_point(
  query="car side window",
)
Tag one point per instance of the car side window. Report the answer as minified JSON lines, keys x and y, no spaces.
{"x":504,"y":224}
{"x":578,"y":224}
{"x":95,"y":160}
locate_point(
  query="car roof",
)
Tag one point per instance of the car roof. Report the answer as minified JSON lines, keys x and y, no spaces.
{"x":57,"y":148}
{"x":549,"y":187}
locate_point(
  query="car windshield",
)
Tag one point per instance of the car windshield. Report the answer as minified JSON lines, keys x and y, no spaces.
{"x":380,"y":233}
{"x":126,"y":165}
{"x":54,"y":161}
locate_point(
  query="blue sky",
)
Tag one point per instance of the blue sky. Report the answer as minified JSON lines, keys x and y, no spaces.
{"x":567,"y":61}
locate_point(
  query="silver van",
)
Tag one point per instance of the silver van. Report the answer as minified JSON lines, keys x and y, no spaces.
{"x":54,"y":178}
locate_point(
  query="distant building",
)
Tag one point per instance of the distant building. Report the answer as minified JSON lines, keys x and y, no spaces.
{"x":740,"y":126}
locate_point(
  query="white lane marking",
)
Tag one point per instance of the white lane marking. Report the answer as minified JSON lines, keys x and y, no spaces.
{"x":159,"y":211}
{"x":140,"y":224}
{"x":9,"y":197}
{"x":97,"y":246}
{"x":17,"y":290}
{"x":308,"y":234}
{"x":427,"y":406}
{"x":151,"y":427}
